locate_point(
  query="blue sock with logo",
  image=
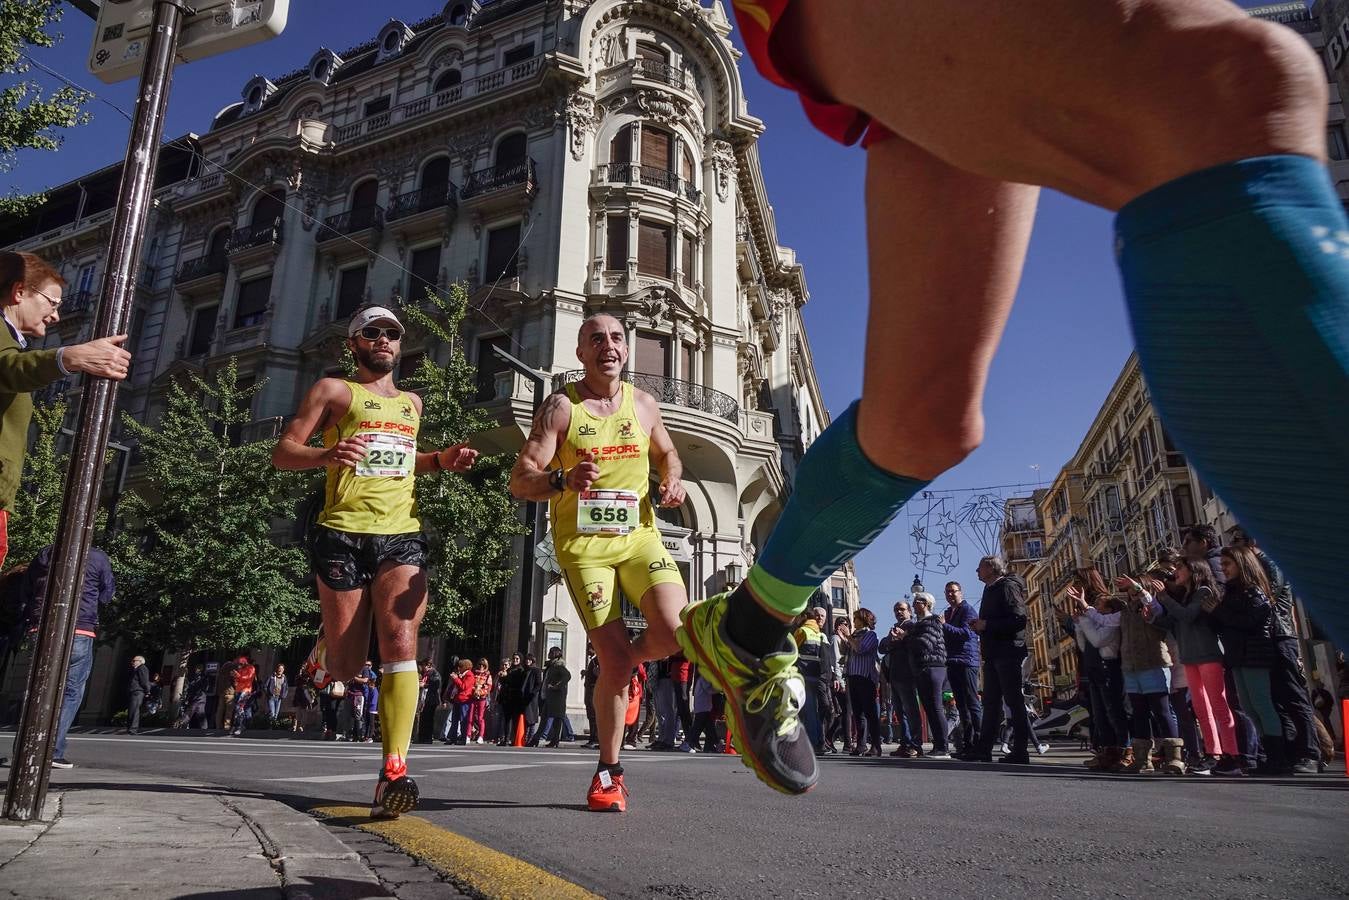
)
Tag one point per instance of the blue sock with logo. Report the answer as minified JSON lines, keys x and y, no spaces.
{"x":1237,"y":279}
{"x":842,"y":502}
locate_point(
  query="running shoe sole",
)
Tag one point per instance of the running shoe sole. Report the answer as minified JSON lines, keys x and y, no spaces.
{"x":710,"y":668}
{"x":400,"y":796}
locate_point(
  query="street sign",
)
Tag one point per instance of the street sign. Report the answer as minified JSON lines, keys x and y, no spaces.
{"x":122,"y":33}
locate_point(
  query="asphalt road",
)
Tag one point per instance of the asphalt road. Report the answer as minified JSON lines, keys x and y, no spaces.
{"x":703,"y":827}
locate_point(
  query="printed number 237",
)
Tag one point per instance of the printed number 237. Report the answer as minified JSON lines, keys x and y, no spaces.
{"x":387,"y":457}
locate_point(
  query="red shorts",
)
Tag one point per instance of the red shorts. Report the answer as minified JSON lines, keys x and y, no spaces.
{"x":759,"y":20}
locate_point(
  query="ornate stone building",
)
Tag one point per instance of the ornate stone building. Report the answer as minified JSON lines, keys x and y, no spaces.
{"x":558,"y":158}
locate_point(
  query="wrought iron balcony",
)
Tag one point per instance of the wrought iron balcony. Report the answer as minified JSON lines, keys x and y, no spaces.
{"x":77,"y":303}
{"x":672,"y":391}
{"x":650,"y":176}
{"x":254,"y":236}
{"x":201,"y":267}
{"x":421,"y":200}
{"x":495,"y":178}
{"x":351,"y":221}
{"x":655,"y":70}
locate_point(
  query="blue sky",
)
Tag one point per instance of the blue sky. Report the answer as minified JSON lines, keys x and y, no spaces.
{"x":1064,"y":345}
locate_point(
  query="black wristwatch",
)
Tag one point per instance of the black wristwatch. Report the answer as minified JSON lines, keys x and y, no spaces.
{"x":557,"y":479}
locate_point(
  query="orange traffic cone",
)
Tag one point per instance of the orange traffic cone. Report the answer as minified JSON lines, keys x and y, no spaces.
{"x":729,"y":746}
{"x":519,"y":732}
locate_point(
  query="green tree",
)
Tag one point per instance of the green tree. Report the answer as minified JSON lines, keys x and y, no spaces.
{"x":471,"y":519}
{"x":28,"y":120}
{"x":37,"y":506}
{"x":196,"y":563}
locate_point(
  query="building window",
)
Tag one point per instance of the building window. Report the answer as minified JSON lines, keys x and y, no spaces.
{"x":687,"y":261}
{"x":1184,"y":501}
{"x":267,"y":210}
{"x":252,"y":305}
{"x":653,"y":249}
{"x":686,"y":363}
{"x":376,"y":106}
{"x":839,"y":597}
{"x":616,"y":232}
{"x":447,"y":80}
{"x":502,"y":258}
{"x":350,"y":291}
{"x":656,"y":148}
{"x":408,"y":365}
{"x":1336,"y":146}
{"x":424,"y":268}
{"x":365,"y":194}
{"x":518,"y":54}
{"x":489,"y":364}
{"x":459,"y":14}
{"x":620,"y":148}
{"x":511,"y":150}
{"x":651,"y":52}
{"x":203,"y":330}
{"x":653,"y":354}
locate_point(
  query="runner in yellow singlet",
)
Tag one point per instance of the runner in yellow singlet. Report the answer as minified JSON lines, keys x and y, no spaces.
{"x":590,"y":455}
{"x":368,"y":549}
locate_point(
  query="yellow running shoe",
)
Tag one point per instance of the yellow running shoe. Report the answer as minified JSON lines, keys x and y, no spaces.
{"x":764,"y":697}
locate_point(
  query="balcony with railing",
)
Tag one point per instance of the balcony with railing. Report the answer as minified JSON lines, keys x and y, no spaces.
{"x":649,"y":176}
{"x":253,"y":242}
{"x":644,"y":70}
{"x":672,"y":391}
{"x":422,"y":200}
{"x":379,"y":123}
{"x":361,"y":225}
{"x":76,"y":304}
{"x":512,"y":177}
{"x":203,"y":274}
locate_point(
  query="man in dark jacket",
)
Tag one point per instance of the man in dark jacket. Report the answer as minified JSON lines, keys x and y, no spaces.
{"x":903,"y":685}
{"x":1002,"y":631}
{"x":136,"y":689}
{"x":962,"y":663}
{"x":590,"y":675}
{"x":96,"y":590}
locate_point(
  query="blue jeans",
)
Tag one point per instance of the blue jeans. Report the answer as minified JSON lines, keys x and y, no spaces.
{"x":274,"y":708}
{"x":77,"y":676}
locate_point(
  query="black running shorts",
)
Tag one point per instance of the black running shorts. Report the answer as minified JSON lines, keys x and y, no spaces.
{"x":346,"y":560}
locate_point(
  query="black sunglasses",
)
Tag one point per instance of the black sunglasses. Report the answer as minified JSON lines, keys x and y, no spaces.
{"x":373,"y":333}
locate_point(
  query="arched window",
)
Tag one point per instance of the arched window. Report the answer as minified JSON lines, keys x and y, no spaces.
{"x":620,"y":148}
{"x":447,"y":80}
{"x":216,"y":248}
{"x":365,"y":194}
{"x":436,"y":174}
{"x":267,"y":210}
{"x":459,"y":14}
{"x":511,"y":150}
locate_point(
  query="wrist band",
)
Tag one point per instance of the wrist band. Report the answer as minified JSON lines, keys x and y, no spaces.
{"x":440,"y":467}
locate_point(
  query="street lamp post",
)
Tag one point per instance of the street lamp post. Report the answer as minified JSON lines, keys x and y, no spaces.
{"x":35,"y":740}
{"x":533,"y":509}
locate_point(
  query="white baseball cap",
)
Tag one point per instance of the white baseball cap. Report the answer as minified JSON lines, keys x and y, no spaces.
{"x":370,"y":316}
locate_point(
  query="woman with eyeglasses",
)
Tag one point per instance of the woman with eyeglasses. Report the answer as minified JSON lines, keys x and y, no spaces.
{"x":1182,"y":592}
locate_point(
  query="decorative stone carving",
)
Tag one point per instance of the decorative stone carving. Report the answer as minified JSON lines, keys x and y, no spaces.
{"x":390,"y":169}
{"x":451,"y":57}
{"x":654,"y":306}
{"x":581,"y":119}
{"x":722,"y":155}
{"x":465,"y":146}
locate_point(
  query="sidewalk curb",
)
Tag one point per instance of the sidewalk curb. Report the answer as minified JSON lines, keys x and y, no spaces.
{"x":17,"y":838}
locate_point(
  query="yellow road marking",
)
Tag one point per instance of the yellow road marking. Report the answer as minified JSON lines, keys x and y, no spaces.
{"x":484,"y":870}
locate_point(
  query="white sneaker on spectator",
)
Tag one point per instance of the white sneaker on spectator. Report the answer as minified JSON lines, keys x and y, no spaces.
{"x":1042,"y":748}
{"x":685,"y":748}
{"x":1003,"y":748}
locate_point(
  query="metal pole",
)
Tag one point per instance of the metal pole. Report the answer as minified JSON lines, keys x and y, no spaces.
{"x":533,"y":509}
{"x":46,"y":678}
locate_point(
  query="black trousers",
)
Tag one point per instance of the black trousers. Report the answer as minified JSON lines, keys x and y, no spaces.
{"x":133,"y":710}
{"x":865,"y":711}
{"x":1002,"y":685}
{"x":964,"y":681}
{"x":1288,"y":687}
{"x":931,"y":683}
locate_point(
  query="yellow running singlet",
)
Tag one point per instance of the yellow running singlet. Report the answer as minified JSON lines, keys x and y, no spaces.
{"x":377,"y":496}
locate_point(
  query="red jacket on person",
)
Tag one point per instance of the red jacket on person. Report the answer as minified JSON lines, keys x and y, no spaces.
{"x":464,"y":687}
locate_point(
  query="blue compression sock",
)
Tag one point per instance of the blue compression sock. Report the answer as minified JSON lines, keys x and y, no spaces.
{"x":842,"y":502}
{"x":1237,"y":279}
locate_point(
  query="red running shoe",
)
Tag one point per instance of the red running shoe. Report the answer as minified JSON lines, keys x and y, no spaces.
{"x":607,"y":793}
{"x":396,"y":792}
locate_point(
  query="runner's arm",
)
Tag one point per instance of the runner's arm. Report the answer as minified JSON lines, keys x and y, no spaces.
{"x":293,"y":450}
{"x":530,"y":477}
{"x":663,"y":454}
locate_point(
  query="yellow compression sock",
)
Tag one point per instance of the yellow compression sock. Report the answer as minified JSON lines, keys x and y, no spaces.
{"x":398,"y":691}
